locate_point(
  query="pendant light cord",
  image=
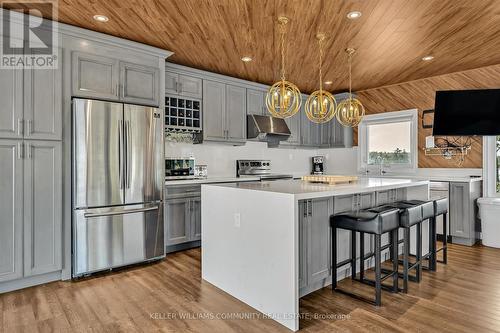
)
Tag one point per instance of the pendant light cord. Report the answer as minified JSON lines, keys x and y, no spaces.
{"x":282,"y":32}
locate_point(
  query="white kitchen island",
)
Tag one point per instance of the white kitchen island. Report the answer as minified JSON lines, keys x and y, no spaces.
{"x":268,"y":243}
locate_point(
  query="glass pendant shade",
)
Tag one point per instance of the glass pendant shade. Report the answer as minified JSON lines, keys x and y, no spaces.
{"x":283,"y":99}
{"x":350,"y":111}
{"x":320,"y":106}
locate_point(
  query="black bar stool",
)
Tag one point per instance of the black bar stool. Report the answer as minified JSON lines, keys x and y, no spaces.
{"x":438,"y":207}
{"x":409,"y":215}
{"x":375,"y":223}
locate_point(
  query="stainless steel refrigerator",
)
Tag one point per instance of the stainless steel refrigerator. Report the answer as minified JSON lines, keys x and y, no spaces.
{"x":118,"y":182}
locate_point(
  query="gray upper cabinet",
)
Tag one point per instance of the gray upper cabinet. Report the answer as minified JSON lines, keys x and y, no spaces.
{"x":11,"y":208}
{"x":256,"y":101}
{"x":214,"y":110}
{"x":293,"y":123}
{"x":139,"y":84}
{"x":94,"y":76}
{"x":183,"y":85}
{"x":42,"y":207}
{"x":337,"y":134}
{"x":43,"y":104}
{"x":235,"y":124}
{"x":11,"y":107}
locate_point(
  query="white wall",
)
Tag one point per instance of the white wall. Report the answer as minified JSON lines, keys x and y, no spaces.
{"x":221,"y":158}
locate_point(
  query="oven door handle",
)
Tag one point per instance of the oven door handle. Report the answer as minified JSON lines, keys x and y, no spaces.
{"x":120,"y":212}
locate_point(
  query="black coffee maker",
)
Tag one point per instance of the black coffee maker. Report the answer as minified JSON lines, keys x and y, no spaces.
{"x":317,"y":165}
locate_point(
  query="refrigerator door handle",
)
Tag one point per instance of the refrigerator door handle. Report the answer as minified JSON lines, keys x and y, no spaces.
{"x":120,"y":152}
{"x":121,"y":212}
{"x":128,"y":153}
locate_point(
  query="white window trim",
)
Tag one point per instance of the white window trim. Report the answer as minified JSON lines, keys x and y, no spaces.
{"x":489,"y":166}
{"x":385,"y":118}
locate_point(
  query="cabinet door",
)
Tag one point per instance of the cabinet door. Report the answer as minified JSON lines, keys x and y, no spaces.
{"x":195,"y":208}
{"x":139,"y":84}
{"x":315,"y":134}
{"x":177,"y":221}
{"x":94,"y":76}
{"x":43,"y":103}
{"x":305,"y":126}
{"x":190,"y":86}
{"x":214,"y":109}
{"x":11,"y":106}
{"x":293,"y":123}
{"x":324,"y":134}
{"x":319,"y":240}
{"x":303,"y":219}
{"x":460,"y":210}
{"x":171,"y":83}
{"x":256,"y":102}
{"x":42,"y":207}
{"x":236,"y":125}
{"x":336,"y":134}
{"x":11,"y":208}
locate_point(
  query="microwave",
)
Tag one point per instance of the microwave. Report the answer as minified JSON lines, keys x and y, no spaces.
{"x":176,"y":168}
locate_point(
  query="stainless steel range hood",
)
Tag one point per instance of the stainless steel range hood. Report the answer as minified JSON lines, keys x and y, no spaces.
{"x":266,"y":128}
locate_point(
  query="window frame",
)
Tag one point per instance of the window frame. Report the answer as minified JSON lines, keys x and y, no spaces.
{"x":410,"y":115}
{"x":490,"y":166}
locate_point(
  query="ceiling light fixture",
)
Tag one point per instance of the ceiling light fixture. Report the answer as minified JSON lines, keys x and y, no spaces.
{"x":354,"y":15}
{"x":246,"y":59}
{"x":321,"y":105}
{"x":101,"y":18}
{"x":328,"y":82}
{"x":283,"y":98}
{"x":428,"y":58}
{"x":350,"y":111}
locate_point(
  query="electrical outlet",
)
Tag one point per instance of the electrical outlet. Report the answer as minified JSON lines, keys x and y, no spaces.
{"x":237,"y":220}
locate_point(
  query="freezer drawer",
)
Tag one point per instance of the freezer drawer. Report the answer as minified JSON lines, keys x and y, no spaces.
{"x":105,"y":238}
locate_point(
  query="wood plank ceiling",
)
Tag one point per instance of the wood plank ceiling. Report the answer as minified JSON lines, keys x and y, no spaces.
{"x":391,"y":36}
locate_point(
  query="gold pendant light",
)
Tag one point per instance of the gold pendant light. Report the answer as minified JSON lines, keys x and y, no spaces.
{"x":350,"y":111}
{"x":283,"y":98}
{"x":321,"y":105}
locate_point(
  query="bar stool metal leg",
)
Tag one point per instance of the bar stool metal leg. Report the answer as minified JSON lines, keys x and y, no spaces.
{"x":406,"y":255}
{"x":362,"y":256}
{"x":334,"y":257}
{"x":419,"y":252}
{"x":434,"y":245}
{"x":445,"y":240}
{"x":353,"y":254}
{"x":378,"y":280}
{"x":395,"y":263}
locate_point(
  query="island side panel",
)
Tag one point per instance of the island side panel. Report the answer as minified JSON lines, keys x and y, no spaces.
{"x":257,"y":261}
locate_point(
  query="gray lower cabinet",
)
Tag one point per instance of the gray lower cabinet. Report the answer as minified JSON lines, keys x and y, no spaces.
{"x":42,"y":207}
{"x":464,"y":224}
{"x":178,"y":221}
{"x":182,"y":221}
{"x":139,"y":84}
{"x":183,"y":85}
{"x":11,"y":208}
{"x":31,"y":206}
{"x":314,"y":243}
{"x":224,"y":112}
{"x":96,"y":76}
{"x":256,"y":101}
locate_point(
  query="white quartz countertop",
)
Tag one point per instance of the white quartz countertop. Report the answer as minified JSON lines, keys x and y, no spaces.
{"x":434,"y":178}
{"x":304,"y":190}
{"x":210,"y":180}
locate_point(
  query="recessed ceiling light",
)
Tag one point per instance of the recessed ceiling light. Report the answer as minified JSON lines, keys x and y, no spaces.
{"x":428,"y":58}
{"x":353,"y":15}
{"x":246,"y":59}
{"x":101,"y":18}
{"x":328,"y":82}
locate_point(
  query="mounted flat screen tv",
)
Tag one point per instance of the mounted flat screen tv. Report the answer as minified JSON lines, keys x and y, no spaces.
{"x":467,"y":112}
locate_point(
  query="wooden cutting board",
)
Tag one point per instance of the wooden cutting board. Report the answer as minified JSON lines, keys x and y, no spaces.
{"x":329,"y":179}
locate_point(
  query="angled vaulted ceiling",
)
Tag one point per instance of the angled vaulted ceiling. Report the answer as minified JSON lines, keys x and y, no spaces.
{"x":391,"y":36}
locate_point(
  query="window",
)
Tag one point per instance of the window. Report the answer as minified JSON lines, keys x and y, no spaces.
{"x":497,"y":164}
{"x":491,"y":166}
{"x":388,"y":139}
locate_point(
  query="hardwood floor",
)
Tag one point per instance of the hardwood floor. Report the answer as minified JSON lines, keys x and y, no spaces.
{"x":463,"y":296}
